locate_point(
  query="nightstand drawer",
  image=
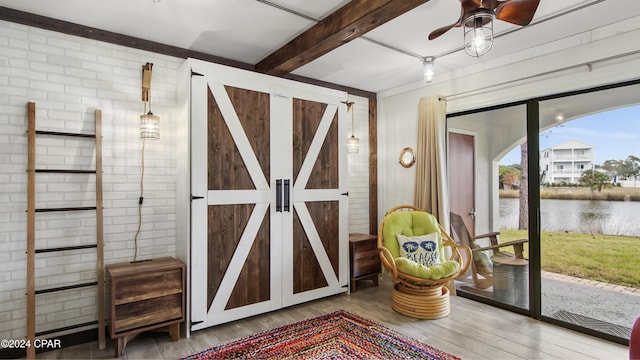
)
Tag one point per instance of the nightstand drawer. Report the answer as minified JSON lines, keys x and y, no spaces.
{"x":142,"y":313}
{"x":364,"y":247}
{"x":136,"y":287}
{"x":366,"y":262}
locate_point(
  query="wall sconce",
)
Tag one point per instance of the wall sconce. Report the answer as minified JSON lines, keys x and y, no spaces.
{"x":353,"y":143}
{"x":428,"y":64}
{"x":149,"y":123}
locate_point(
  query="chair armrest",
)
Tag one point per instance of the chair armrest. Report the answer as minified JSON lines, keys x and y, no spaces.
{"x":468,"y":254}
{"x":387,"y":260}
{"x":456,"y":248}
{"x":513,"y":242}
{"x":518,"y":246}
{"x":485,"y":235}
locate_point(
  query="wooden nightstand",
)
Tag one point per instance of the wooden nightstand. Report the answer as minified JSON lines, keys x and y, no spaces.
{"x":364,"y":260}
{"x":145,"y":295}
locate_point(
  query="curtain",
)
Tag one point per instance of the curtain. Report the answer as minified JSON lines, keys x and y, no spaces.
{"x":432,"y":190}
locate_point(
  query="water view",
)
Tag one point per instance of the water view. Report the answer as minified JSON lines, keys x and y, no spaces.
{"x":580,"y":216}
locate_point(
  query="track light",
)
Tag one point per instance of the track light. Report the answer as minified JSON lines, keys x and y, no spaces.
{"x":428,"y":64}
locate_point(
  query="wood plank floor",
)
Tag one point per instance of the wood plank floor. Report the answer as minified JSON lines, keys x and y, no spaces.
{"x":472,"y":331}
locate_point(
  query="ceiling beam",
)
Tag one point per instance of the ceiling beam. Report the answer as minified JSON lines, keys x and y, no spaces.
{"x":349,"y":22}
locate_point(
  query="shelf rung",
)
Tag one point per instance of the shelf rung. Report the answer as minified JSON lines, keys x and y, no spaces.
{"x":65,"y":328}
{"x":69,"y":287}
{"x":65,"y":248}
{"x":59,"y":133}
{"x":81,"y":208}
{"x":64,"y":171}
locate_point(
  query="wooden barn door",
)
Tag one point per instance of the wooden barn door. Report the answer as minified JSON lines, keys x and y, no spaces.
{"x":262,"y":237}
{"x":317,"y":259}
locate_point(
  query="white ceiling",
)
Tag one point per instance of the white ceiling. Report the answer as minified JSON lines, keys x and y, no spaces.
{"x":249,"y":30}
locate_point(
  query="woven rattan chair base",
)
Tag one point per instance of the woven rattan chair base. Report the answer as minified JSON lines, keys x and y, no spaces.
{"x":421,"y":303}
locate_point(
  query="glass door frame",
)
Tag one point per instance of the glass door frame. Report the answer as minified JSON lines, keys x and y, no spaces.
{"x":535,"y":268}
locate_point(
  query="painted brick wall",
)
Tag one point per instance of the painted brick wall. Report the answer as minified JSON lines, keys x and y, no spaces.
{"x":68,"y":78}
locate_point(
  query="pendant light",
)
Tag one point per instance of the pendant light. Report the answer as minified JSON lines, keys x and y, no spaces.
{"x":149,"y":123}
{"x":428,"y":64}
{"x":353,"y":143}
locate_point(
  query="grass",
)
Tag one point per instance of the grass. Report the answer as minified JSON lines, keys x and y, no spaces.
{"x":607,"y":258}
{"x":581,"y":193}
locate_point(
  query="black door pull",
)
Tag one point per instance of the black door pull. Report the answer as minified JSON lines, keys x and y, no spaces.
{"x":279,"y":195}
{"x":286,"y":195}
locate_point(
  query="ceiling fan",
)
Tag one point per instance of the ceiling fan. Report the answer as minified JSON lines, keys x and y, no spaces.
{"x":519,"y":12}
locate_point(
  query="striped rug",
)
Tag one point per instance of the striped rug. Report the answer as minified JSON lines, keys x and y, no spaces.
{"x":337,"y":335}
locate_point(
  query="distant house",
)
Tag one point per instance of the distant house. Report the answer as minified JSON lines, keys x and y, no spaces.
{"x":565,"y":162}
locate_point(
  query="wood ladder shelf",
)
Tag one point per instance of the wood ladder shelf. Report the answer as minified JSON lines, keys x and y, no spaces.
{"x":31,"y":229}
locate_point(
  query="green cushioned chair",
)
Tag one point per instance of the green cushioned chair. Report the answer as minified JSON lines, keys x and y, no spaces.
{"x":412,"y":221}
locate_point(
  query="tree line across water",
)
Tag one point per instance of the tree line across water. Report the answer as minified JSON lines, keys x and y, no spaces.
{"x":598,"y":178}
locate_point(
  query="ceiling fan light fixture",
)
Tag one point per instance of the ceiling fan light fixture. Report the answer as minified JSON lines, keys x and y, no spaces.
{"x":428,"y":65}
{"x":478,"y":32}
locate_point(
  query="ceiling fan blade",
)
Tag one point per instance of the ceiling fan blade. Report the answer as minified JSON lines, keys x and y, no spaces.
{"x":439,"y":31}
{"x":466,"y":5}
{"x":519,"y":12}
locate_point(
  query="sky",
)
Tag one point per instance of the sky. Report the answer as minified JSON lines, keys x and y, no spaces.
{"x":614,"y":135}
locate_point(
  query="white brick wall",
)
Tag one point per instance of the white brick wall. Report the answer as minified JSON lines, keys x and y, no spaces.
{"x":359,"y":168}
{"x":68,"y":78}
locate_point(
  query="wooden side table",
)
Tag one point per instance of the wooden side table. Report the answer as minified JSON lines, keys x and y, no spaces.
{"x":145,"y":295}
{"x":364,"y":261}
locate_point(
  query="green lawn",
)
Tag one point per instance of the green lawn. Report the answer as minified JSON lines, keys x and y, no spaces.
{"x":606,"y":258}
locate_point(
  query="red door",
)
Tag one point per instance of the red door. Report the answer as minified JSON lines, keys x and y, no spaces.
{"x":462,"y":177}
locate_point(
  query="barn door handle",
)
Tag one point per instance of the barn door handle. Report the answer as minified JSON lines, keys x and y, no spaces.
{"x":279,"y":195}
{"x":286,"y":195}
{"x":193,"y":197}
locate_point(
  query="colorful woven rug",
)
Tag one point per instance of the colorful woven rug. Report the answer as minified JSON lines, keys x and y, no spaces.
{"x":337,"y":335}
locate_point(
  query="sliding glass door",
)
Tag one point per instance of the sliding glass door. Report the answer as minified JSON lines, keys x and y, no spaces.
{"x":488,"y":200}
{"x":555,"y":182}
{"x":589,"y":208}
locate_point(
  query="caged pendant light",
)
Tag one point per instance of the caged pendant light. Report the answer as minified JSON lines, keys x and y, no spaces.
{"x":478,"y":32}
